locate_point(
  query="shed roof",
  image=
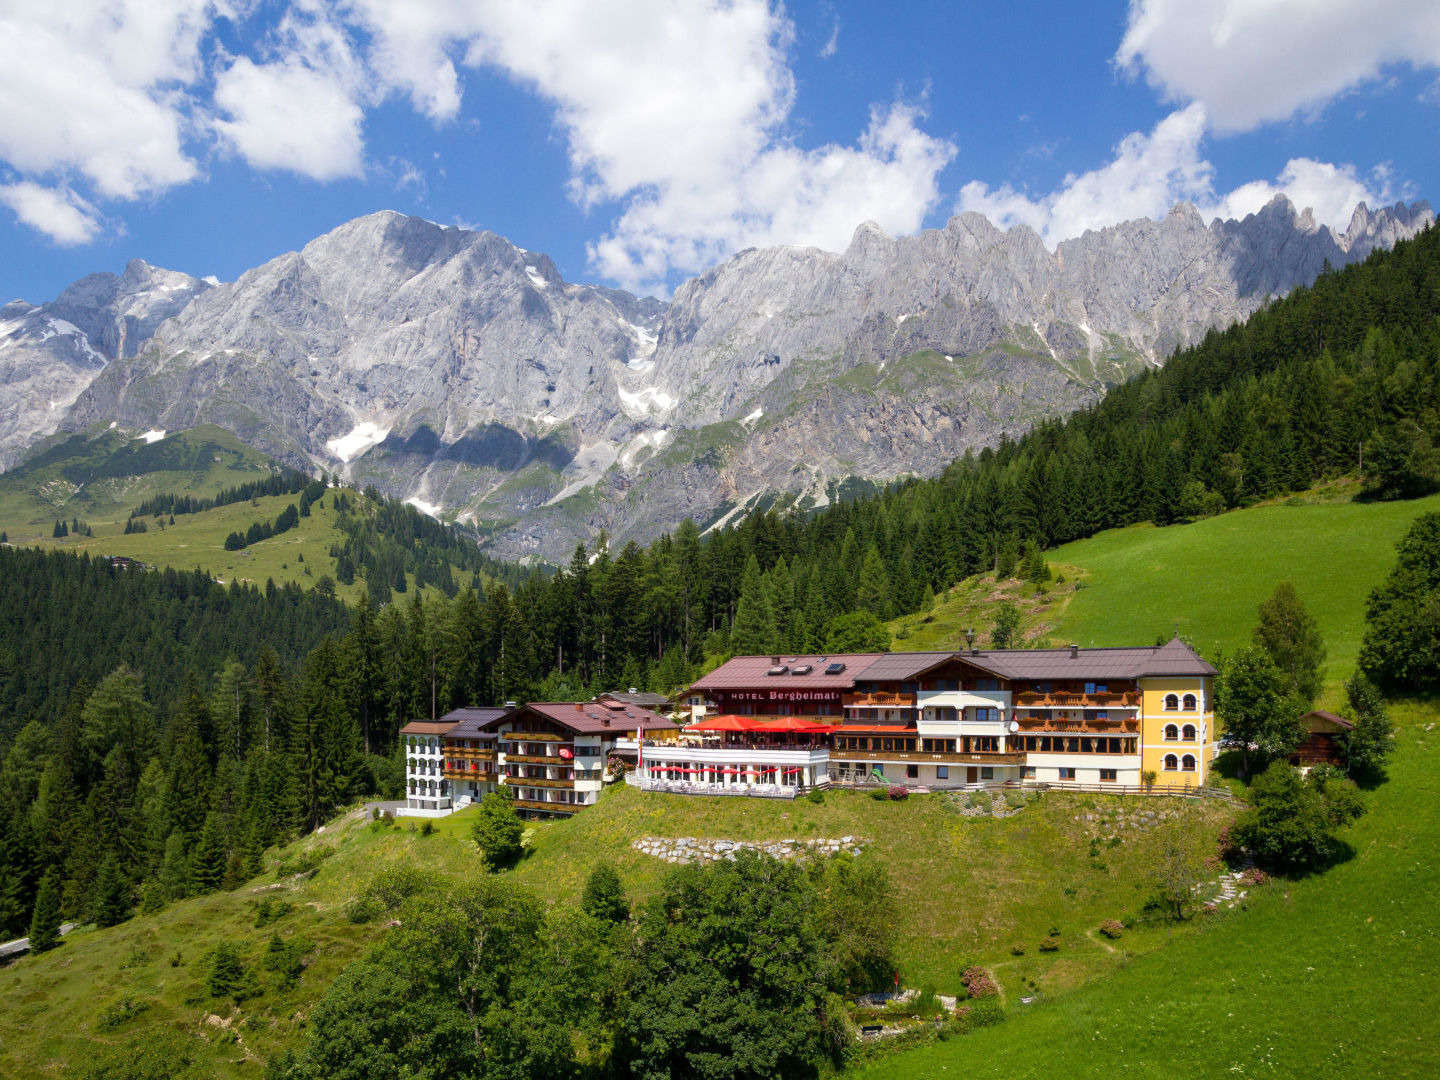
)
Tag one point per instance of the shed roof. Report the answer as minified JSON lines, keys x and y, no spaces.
{"x":596,"y":717}
{"x":1319,"y":718}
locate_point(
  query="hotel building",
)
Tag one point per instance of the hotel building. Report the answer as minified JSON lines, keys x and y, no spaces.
{"x":1083,"y":717}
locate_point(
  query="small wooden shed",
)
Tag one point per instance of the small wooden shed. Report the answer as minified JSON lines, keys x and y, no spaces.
{"x":1324,"y":739}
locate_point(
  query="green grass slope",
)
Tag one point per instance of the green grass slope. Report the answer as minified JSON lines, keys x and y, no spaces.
{"x":965,"y":890}
{"x":101,"y":476}
{"x":1205,"y":580}
{"x":1332,"y":976}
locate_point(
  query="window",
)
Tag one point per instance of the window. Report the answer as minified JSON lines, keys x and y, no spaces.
{"x":942,"y":772}
{"x":987,"y":685}
{"x":1067,"y":772}
{"x":1170,"y":763}
{"x":1189,"y":705}
{"x":989,"y":714}
{"x":1097,"y":688}
{"x":1187,"y":763}
{"x":1029,"y":772}
{"x":1172,"y":703}
{"x":912,"y":772}
{"x":987,"y":772}
{"x":1172,"y":733}
{"x":1102,"y":714}
{"x":1187,"y":733}
{"x":1107,"y":774}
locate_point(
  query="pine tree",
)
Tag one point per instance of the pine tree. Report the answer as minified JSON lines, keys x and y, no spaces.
{"x":753,"y":633}
{"x":45,"y":920}
{"x":207,"y":864}
{"x":872,"y":594}
{"x":175,"y":880}
{"x":112,"y":901}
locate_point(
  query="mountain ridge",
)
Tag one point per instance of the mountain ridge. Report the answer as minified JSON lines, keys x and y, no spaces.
{"x":454,"y":368}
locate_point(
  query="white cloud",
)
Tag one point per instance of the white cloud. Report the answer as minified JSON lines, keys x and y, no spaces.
{"x":300,"y":110}
{"x":57,"y":212}
{"x":90,"y":87}
{"x":1150,"y":173}
{"x":1253,"y":61}
{"x":675,"y":109}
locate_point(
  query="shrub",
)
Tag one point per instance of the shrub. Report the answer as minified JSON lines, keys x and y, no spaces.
{"x":269,"y":911}
{"x":1254,"y":876}
{"x":979,"y":983}
{"x":927,"y":1004}
{"x":375,"y":813}
{"x":286,"y":959}
{"x":127,"y":1008}
{"x":1018,"y":949}
{"x":1051,"y":943}
{"x":386,"y":891}
{"x":227,"y":975}
{"x":815,"y":795}
{"x":879,"y":794}
{"x":1112,"y":928}
{"x":898,"y":792}
{"x":303,"y":862}
{"x":427,"y":828}
{"x":497,"y":832}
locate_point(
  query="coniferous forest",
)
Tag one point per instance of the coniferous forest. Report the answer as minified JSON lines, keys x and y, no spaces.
{"x":159,"y":730}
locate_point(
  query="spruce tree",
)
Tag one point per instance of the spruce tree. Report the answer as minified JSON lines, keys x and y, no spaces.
{"x":873,"y":592}
{"x":753,"y":632}
{"x":207,"y":864}
{"x":45,"y":920}
{"x":175,"y":880}
{"x":112,"y":900}
{"x":1368,"y":744}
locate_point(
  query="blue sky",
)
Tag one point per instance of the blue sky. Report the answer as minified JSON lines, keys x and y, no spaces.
{"x":640,"y":143}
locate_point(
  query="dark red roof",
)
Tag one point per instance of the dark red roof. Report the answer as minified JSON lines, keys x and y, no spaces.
{"x":597,"y":717}
{"x":745,"y":672}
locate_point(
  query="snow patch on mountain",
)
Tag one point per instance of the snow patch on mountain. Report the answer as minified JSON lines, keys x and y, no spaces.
{"x":154,"y":435}
{"x":640,"y":404}
{"x":362,"y":437}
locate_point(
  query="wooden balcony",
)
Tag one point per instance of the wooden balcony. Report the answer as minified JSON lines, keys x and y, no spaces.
{"x":563,"y":809}
{"x":465,"y":774}
{"x":536,"y":781}
{"x":1063,"y":699}
{"x":878,"y":699}
{"x":532,"y":736}
{"x":462,"y":753}
{"x":540,"y":759}
{"x":1088,"y":726}
{"x":988,"y":757}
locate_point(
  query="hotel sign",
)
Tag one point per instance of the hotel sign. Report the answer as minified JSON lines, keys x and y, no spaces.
{"x":784,"y":695}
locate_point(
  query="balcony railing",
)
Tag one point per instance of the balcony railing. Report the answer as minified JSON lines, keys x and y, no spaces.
{"x":537,"y":781}
{"x":462,"y":753}
{"x":466,"y":774}
{"x":541,"y":759}
{"x":1063,"y":699}
{"x":974,"y":757}
{"x":551,"y":807}
{"x":1088,"y":726}
{"x":878,"y":699}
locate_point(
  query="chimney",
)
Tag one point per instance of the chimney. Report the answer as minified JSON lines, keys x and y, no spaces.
{"x":579,"y":706}
{"x":1074,"y":651}
{"x":774,"y":661}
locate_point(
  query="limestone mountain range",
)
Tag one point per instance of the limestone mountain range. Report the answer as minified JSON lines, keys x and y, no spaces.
{"x":457,"y":370}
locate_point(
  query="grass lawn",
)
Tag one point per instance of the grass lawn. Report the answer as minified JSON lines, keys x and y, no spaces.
{"x":1335,"y":975}
{"x":1206,"y":579}
{"x":965,"y":890}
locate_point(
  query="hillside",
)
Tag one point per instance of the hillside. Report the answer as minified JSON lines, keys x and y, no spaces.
{"x":1204,"y":579}
{"x":965,"y":890}
{"x":102,"y":477}
{"x":1329,"y":976}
